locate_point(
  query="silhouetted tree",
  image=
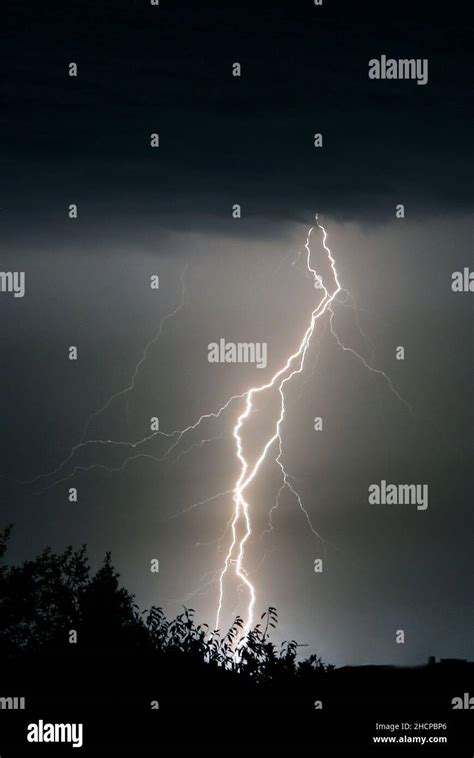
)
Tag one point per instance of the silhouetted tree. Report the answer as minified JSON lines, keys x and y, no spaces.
{"x":39,"y":599}
{"x":108,"y":615}
{"x":43,"y":599}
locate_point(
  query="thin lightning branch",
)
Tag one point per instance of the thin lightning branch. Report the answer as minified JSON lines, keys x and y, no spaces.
{"x":142,"y":360}
{"x":180,"y":433}
{"x":357,"y":319}
{"x":98,"y":467}
{"x":215,"y":541}
{"x":193,"y":506}
{"x":274,"y":507}
{"x":204,"y":417}
{"x":85,"y":443}
{"x":127,"y":461}
{"x":370,"y":368}
{"x":296,"y":495}
{"x":195,"y":445}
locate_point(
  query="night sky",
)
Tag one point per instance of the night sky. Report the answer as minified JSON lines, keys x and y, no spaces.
{"x":245,"y":140}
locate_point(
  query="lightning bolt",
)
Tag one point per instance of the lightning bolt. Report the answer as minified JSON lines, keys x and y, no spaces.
{"x":294,"y":365}
{"x":239,"y":524}
{"x":283,"y":376}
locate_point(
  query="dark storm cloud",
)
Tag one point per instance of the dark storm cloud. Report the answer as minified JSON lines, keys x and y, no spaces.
{"x":227,"y":140}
